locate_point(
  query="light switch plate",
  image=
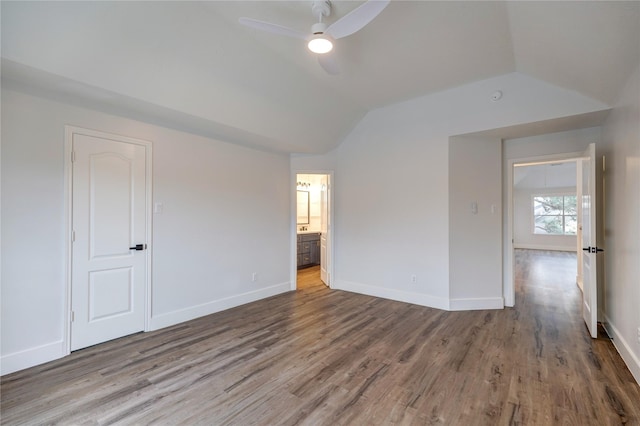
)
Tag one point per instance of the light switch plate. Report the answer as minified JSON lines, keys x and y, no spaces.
{"x":474,"y":207}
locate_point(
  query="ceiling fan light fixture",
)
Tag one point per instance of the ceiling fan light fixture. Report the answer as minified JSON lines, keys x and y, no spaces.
{"x":320,"y":44}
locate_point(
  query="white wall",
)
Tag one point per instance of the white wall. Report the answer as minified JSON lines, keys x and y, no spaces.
{"x":523,"y":236}
{"x":392,"y":192}
{"x":226,"y":215}
{"x":550,"y":143}
{"x":621,"y":137}
{"x":475,"y":223}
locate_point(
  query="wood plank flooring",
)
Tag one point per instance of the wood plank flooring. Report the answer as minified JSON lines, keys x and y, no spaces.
{"x":323,"y":357}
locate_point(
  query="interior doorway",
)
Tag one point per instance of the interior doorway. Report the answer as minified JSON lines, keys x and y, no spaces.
{"x":313,"y":231}
{"x":546,"y":234}
{"x":542,"y":197}
{"x":564,"y":213}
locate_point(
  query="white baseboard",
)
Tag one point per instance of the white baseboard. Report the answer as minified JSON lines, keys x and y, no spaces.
{"x":543,"y":247}
{"x":624,"y":349}
{"x":392,"y":294}
{"x":39,"y":355}
{"x":176,"y":317}
{"x":31,"y":357}
{"x":420,"y":298}
{"x":476,"y":304}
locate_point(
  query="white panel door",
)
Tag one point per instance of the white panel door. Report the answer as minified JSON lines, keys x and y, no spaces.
{"x":588,"y":260}
{"x":109,"y":219}
{"x":325,"y":231}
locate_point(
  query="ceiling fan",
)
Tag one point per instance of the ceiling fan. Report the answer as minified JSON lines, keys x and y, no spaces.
{"x":322,"y":36}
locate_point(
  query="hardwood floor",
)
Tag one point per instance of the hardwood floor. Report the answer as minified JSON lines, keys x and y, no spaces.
{"x":320,"y":356}
{"x":309,"y":277}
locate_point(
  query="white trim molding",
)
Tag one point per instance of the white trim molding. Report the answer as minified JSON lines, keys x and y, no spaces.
{"x":476,"y":304}
{"x":393,"y":294}
{"x":33,"y":356}
{"x":176,"y":317}
{"x":421,"y":298}
{"x":623,"y":348}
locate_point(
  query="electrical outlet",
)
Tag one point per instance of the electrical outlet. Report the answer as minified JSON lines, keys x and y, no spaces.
{"x":414,"y":279}
{"x":254,"y":277}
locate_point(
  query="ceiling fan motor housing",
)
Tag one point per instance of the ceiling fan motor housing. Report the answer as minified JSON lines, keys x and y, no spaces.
{"x":319,"y":28}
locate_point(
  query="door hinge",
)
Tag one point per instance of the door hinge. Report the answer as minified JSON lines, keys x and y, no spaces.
{"x":73,"y":316}
{"x":73,"y":236}
{"x":73,"y":156}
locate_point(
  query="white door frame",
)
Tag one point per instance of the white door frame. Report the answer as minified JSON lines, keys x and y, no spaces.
{"x":294,"y":228}
{"x":69,"y":131}
{"x":508,"y":288}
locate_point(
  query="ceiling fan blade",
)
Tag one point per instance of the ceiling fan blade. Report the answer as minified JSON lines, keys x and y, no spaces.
{"x":357,"y":18}
{"x":272,"y":28}
{"x":328,"y":62}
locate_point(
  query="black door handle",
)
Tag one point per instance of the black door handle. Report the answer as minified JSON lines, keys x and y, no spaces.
{"x":593,"y":249}
{"x":138,"y":247}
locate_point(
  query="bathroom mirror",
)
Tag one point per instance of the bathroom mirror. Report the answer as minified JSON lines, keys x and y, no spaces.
{"x":303,"y":208}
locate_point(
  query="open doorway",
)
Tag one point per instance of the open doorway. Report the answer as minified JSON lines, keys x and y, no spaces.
{"x":561,"y":213}
{"x":313,"y":252}
{"x":543,"y":215}
{"x":545,"y":226}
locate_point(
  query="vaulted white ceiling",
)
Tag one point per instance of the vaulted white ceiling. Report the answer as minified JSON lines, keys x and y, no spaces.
{"x":191,"y":65}
{"x":550,"y":175}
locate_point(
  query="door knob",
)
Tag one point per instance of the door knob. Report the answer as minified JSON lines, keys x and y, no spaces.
{"x":138,"y":247}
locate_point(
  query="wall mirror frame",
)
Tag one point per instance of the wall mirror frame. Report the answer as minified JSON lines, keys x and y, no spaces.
{"x":302,"y":210}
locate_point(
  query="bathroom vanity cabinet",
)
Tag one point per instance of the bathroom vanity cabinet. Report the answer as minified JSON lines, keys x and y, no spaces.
{"x":308,"y":249}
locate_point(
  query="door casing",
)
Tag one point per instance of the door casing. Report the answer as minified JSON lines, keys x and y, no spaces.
{"x":68,"y":201}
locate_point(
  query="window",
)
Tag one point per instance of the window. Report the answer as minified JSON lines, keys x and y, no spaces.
{"x":555,"y":215}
